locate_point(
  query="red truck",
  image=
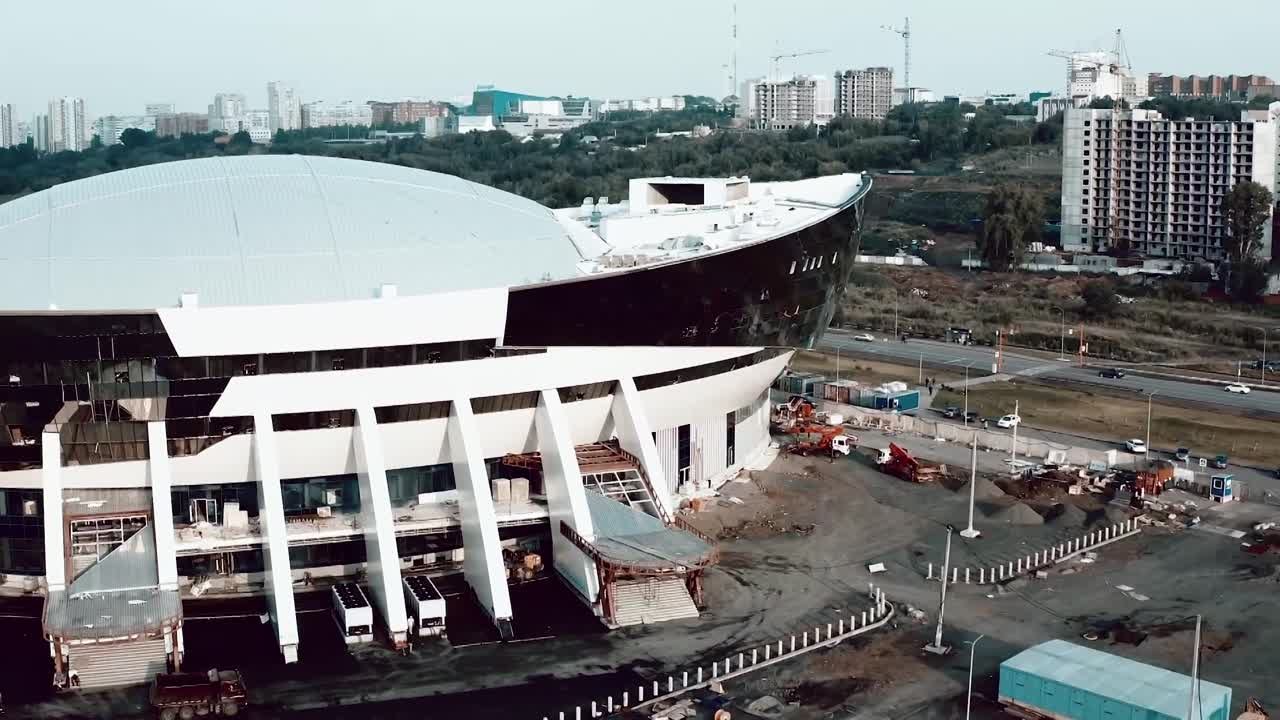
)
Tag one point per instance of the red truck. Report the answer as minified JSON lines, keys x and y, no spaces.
{"x":186,"y":695}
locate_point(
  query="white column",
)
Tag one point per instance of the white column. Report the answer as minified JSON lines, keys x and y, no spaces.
{"x":378,"y":525}
{"x":279,"y":576}
{"x":636,"y":437}
{"x":162,"y":504}
{"x":566,"y":498}
{"x":482,"y":558}
{"x":55,"y":550}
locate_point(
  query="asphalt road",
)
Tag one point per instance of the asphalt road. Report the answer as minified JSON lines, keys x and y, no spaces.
{"x":980,"y":359}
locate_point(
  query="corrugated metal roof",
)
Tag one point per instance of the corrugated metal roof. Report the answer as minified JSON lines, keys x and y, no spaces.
{"x":1118,"y":678}
{"x":269,"y":229}
{"x":628,"y":536}
{"x":117,"y":613}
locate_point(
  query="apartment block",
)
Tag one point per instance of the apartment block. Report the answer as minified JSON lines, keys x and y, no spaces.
{"x":179,"y":124}
{"x":1215,"y":87}
{"x":784,"y":104}
{"x":8,"y":126}
{"x":405,"y":111}
{"x":865,"y":94}
{"x":1134,"y":179}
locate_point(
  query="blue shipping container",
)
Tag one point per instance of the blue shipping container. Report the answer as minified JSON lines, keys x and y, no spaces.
{"x":1063,"y":680}
{"x":905,"y":401}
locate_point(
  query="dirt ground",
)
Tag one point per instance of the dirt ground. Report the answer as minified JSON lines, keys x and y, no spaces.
{"x":868,"y":372}
{"x":1094,"y":414}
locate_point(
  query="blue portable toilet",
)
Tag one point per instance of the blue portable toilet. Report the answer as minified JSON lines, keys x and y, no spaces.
{"x":1220,"y":488}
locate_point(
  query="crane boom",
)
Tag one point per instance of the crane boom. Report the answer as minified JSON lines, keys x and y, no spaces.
{"x":905,"y":32}
{"x":802,"y":53}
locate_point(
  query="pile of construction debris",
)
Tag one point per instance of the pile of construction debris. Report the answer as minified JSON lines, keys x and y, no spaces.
{"x":1172,"y":515}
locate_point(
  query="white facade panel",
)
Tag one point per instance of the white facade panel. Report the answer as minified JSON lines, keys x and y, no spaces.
{"x":467,"y":314}
{"x":667,"y":441}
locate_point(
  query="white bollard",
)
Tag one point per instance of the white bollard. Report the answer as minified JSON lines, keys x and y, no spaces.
{"x":715,"y":670}
{"x":655,"y":688}
{"x":930,"y":576}
{"x":727,"y":665}
{"x":793,"y":643}
{"x":577,"y":713}
{"x":982,"y":572}
{"x":871,"y":589}
{"x":780,"y":646}
{"x":841,"y":626}
{"x":966,"y":576}
{"x":1019,"y":566}
{"x":741,"y":661}
{"x":609,"y":704}
{"x":671,"y":684}
{"x":806,"y":638}
{"x":640,"y":694}
{"x":699,"y":675}
{"x":864,"y":619}
{"x":685,"y":679}
{"x":626,"y":699}
{"x":955,"y":575}
{"x":593,"y":709}
{"x":561,"y":715}
{"x":766,"y":652}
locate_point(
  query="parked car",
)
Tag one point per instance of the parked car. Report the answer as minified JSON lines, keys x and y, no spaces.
{"x":865,"y":337}
{"x":951,"y":413}
{"x":1238,"y":388}
{"x":1111,"y":373}
{"x":972,"y":416}
{"x":1219,"y":462}
{"x":1182,"y":454}
{"x":1136,"y":446}
{"x":1009,"y":421}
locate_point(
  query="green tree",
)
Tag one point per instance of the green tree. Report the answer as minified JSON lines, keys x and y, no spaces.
{"x":136,"y":138}
{"x":1246,"y":209}
{"x":1248,"y":280}
{"x":1099,"y":298}
{"x":1011,"y":219}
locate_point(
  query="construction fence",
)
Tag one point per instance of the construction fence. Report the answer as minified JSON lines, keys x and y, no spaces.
{"x":683,"y":681}
{"x":1053,"y":555}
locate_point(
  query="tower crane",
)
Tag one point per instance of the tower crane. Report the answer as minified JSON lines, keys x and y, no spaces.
{"x":802,"y":53}
{"x":905,"y":32}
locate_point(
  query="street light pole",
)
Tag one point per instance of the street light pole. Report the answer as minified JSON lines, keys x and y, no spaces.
{"x":1062,"y":334}
{"x":971,"y":532}
{"x":936,"y":647}
{"x":966,"y":395}
{"x":1149,"y":396}
{"x":896,"y":336}
{"x":973,"y":646}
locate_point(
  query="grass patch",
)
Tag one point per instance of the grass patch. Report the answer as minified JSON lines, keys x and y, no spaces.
{"x":867,"y":372}
{"x":1100,"y":415}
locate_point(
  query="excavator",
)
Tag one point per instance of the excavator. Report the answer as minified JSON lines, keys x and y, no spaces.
{"x":815,"y":438}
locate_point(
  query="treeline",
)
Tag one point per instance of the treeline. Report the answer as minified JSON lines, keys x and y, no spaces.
{"x":922,"y":137}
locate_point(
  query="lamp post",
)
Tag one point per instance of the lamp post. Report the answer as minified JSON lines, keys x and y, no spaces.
{"x":972,"y":532}
{"x":966,"y":395}
{"x":1149,"y":396}
{"x":973,"y":646}
{"x":1062,"y":334}
{"x":1265,"y":332}
{"x":896,"y":336}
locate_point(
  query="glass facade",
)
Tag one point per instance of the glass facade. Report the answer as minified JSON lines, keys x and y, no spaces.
{"x":21,"y":532}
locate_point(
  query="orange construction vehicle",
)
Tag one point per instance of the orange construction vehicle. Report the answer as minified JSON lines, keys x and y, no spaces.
{"x":815,"y":439}
{"x":786,"y":417}
{"x":898,"y":462}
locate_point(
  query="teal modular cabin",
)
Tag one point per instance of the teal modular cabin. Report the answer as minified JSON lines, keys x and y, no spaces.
{"x":1061,"y":680}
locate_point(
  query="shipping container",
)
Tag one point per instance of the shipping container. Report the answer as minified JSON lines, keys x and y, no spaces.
{"x":905,"y":401}
{"x":1058,"y":679}
{"x":798,"y":383}
{"x":840,"y":391}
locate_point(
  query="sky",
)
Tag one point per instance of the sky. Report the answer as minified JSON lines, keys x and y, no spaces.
{"x":122,"y":56}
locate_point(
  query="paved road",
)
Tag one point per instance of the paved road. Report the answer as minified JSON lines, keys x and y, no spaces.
{"x":979,"y":359}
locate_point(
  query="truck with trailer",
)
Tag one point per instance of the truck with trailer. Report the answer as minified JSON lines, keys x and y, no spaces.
{"x":186,"y":695}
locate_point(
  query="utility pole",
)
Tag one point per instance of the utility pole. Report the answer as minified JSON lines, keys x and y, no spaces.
{"x":1195,"y":674}
{"x":896,"y":336}
{"x":920,"y":380}
{"x":973,"y":646}
{"x":970,"y":532}
{"x":966,"y":395}
{"x":1013,"y":449}
{"x":937,"y":648}
{"x":1148,"y":446}
{"x":1062,"y":334}
{"x":837,"y":363}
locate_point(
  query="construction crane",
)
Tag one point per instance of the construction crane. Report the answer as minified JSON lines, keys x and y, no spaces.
{"x":905,"y":32}
{"x":802,"y":53}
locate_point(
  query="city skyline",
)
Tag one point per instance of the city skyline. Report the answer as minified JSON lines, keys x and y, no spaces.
{"x":954,"y":50}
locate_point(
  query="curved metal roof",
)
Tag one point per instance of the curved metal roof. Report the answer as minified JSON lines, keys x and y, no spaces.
{"x":269,"y":229}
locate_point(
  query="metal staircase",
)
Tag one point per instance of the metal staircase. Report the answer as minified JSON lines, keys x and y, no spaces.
{"x":652,"y":600}
{"x":625,"y":486}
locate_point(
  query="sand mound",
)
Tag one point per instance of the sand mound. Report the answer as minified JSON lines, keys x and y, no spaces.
{"x":1018,"y":514}
{"x":1070,"y":515}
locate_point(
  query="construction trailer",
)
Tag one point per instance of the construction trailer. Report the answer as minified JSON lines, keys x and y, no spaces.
{"x":1065,"y":681}
{"x":798,"y":383}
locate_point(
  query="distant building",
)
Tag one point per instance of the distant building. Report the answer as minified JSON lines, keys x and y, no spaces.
{"x":647,"y":104}
{"x":1001,"y":99}
{"x":68,"y":127}
{"x":476,"y":123}
{"x":109,"y":128}
{"x":179,"y":124}
{"x":433,"y":127}
{"x":345,"y":112}
{"x":154,"y":109}
{"x":784,"y":104}
{"x":8,"y":127}
{"x":1236,"y":88}
{"x":258,"y":124}
{"x":488,"y":100}
{"x":1036,"y":96}
{"x":865,"y":94}
{"x":404,"y":111}
{"x":227,"y":113}
{"x":283,"y":107}
{"x":1132,"y":179}
{"x":1049,"y":106}
{"x":40,"y":133}
{"x":912,"y":95}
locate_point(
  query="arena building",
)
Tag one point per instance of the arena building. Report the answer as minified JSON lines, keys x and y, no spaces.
{"x":250,"y":374}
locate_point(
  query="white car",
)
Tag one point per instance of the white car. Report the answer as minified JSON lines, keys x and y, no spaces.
{"x":1136,"y":446}
{"x":1238,"y":388}
{"x":1009,"y":421}
{"x":865,"y":337}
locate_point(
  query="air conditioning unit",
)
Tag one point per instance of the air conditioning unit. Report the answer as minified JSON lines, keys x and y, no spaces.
{"x":324,"y":511}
